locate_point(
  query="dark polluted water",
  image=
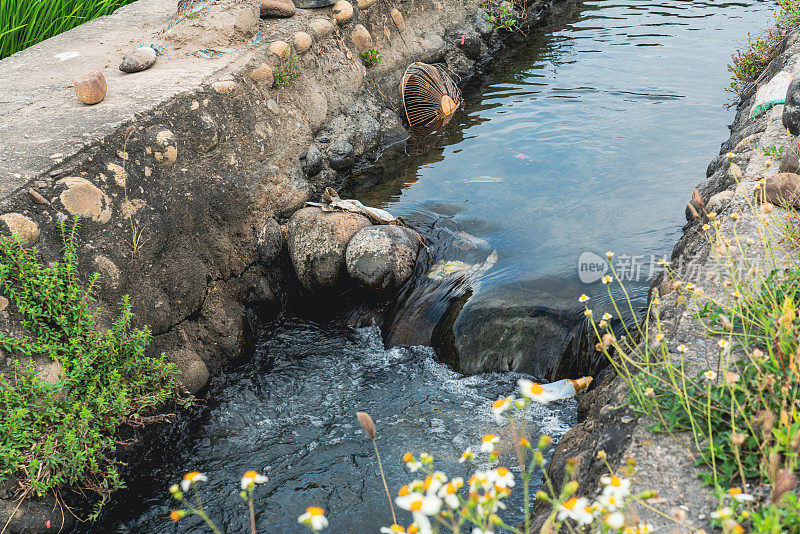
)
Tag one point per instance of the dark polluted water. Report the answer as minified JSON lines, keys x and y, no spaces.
{"x":588,"y":137}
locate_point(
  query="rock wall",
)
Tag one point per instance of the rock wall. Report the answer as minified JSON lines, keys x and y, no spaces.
{"x":665,"y":463}
{"x":185,"y":175}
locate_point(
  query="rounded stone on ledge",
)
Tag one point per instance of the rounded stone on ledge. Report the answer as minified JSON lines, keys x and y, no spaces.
{"x":317,"y":242}
{"x":91,"y":88}
{"x":140,"y":59}
{"x":321,"y":27}
{"x":194,"y":373}
{"x":19,"y":225}
{"x":398,"y":19}
{"x":782,"y":190}
{"x":361,"y":37}
{"x":382,"y":258}
{"x":276,"y":8}
{"x":226,"y":87}
{"x":302,"y":42}
{"x":364,"y":4}
{"x":279,"y":48}
{"x":342,"y":11}
{"x":263,"y":73}
{"x":82,"y":198}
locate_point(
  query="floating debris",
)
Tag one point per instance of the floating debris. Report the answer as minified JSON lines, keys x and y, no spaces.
{"x":483,"y":180}
{"x":429,"y":95}
{"x":332,"y":202}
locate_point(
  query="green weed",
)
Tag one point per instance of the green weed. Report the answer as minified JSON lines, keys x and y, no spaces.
{"x":66,"y":434}
{"x":371,"y":58}
{"x":749,"y":62}
{"x":287,"y":70}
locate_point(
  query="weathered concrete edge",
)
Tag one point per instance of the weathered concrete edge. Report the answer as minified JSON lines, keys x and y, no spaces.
{"x":664,"y":463}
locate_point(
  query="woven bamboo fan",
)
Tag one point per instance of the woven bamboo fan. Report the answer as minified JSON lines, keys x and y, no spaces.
{"x":429,"y":95}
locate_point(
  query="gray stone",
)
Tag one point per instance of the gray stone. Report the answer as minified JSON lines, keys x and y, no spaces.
{"x":719,"y":201}
{"x":534,"y":328}
{"x":270,"y":241}
{"x":382,"y":258}
{"x":791,"y":109}
{"x":340,"y":155}
{"x":313,"y":161}
{"x":140,"y":59}
{"x":369,"y":131}
{"x":791,"y":159}
{"x":317,"y":243}
{"x":194,"y":373}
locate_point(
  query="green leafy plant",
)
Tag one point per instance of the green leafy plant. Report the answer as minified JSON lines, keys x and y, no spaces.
{"x":774,"y":151}
{"x":371,"y":58}
{"x":287,"y":70}
{"x":502,"y":14}
{"x":749,"y":62}
{"x":24,"y":23}
{"x":66,"y":433}
{"x":743,"y":412}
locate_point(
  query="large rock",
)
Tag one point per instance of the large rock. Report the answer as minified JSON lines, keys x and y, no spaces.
{"x":22,"y":227}
{"x":783,"y":189}
{"x":791,"y":109}
{"x":536,"y":328}
{"x":317,"y":243}
{"x":382,"y":258}
{"x":791,"y":158}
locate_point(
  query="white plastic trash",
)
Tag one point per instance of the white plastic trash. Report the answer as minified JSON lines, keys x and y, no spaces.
{"x":567,"y":388}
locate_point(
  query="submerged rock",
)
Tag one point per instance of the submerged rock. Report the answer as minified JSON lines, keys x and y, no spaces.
{"x":317,"y":243}
{"x":382,"y":257}
{"x":527,"y":328}
{"x":140,"y":59}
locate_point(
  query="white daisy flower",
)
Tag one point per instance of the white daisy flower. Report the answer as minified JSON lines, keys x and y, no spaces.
{"x":251,"y":478}
{"x":314,"y":518}
{"x":534,"y":391}
{"x":191,"y":478}
{"x":488,"y":441}
{"x":577,"y":509}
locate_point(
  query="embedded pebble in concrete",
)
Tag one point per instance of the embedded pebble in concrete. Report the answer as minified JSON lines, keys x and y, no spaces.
{"x":19,"y":225}
{"x":361,"y":38}
{"x":226,"y":87}
{"x":276,"y":8}
{"x":302,"y":42}
{"x":398,"y":19}
{"x":82,"y":198}
{"x":279,"y":48}
{"x":342,"y":11}
{"x":263,"y":73}
{"x":321,"y":27}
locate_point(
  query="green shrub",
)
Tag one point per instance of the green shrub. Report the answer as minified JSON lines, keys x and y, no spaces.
{"x":287,"y":70}
{"x":749,"y":62}
{"x":65,"y":434}
{"x":24,"y":23}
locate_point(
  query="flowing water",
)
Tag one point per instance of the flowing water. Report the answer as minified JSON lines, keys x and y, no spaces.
{"x":586,"y":138}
